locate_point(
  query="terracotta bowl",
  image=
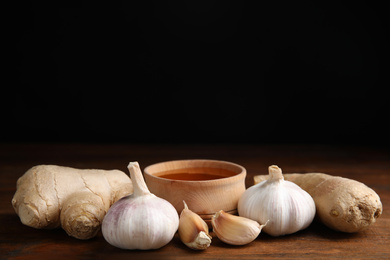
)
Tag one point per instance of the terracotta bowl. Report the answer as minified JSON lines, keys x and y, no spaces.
{"x":207,"y":186}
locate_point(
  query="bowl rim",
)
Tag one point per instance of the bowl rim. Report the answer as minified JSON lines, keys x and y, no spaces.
{"x":241,"y":174}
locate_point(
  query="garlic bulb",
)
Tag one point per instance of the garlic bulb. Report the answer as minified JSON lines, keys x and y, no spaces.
{"x":287,"y":207}
{"x":235,"y":230}
{"x":193,"y":230}
{"x":141,"y":220}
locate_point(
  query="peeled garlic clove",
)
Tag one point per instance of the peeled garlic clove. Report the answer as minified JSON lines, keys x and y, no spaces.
{"x":193,"y":230}
{"x":235,"y":230}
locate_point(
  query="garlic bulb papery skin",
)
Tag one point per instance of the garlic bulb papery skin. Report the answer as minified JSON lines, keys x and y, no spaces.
{"x":141,"y":220}
{"x":286,"y":206}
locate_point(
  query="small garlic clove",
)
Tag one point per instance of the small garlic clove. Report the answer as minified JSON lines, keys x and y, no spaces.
{"x":235,"y":230}
{"x":193,"y":230}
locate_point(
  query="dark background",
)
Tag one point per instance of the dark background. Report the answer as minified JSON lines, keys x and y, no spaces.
{"x":197,"y":71}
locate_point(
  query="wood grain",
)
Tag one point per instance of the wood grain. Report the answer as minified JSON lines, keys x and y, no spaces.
{"x":366,"y":164}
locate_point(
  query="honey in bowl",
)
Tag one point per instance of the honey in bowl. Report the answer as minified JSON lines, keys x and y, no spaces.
{"x":195,"y":174}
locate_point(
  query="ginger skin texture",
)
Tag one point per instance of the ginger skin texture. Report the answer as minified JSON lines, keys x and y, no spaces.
{"x":341,"y":204}
{"x":50,"y":196}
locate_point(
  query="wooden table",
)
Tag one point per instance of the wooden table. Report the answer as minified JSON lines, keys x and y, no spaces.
{"x":365,"y":164}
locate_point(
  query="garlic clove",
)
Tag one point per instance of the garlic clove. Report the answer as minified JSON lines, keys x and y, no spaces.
{"x":235,"y":230}
{"x":193,"y":230}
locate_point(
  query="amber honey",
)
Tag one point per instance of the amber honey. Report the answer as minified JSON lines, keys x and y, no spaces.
{"x":196,"y":174}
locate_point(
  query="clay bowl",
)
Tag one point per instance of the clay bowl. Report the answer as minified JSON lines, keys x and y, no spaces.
{"x":207,"y":186}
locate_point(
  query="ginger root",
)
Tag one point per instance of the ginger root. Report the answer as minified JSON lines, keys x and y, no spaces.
{"x":49,"y":196}
{"x":342,"y":204}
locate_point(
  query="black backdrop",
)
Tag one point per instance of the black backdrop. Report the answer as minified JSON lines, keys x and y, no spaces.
{"x":198,"y":71}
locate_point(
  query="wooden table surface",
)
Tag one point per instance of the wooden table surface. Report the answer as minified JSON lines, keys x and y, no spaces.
{"x":366,"y":164}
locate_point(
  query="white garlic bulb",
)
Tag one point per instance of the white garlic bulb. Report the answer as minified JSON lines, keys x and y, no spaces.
{"x":141,"y":220}
{"x":286,"y":206}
